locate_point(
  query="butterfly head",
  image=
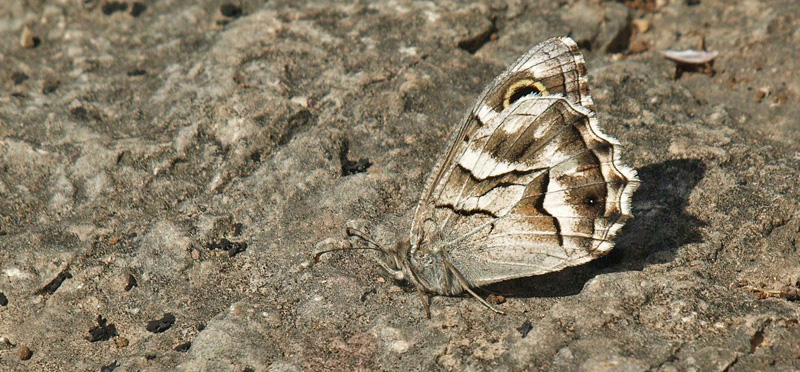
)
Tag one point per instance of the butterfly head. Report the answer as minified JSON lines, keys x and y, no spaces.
{"x":395,"y":262}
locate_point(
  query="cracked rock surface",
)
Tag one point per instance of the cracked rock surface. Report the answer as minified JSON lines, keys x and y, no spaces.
{"x":176,"y":164}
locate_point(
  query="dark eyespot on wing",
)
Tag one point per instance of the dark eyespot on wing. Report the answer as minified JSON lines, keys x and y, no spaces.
{"x":497,"y":95}
{"x":589,"y":200}
{"x":522,"y":92}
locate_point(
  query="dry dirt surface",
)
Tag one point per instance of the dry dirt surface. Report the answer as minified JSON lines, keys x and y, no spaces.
{"x":167,"y":169}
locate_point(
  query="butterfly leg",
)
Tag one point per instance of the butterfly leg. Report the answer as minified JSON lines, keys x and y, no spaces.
{"x":396,"y":274}
{"x":422,"y":295}
{"x":464,"y":285}
{"x":425,"y":302}
{"x":412,"y":277}
{"x":399,"y":276}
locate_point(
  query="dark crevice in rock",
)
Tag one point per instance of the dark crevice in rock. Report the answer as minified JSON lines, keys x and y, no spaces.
{"x":130,"y":283}
{"x":161,"y":325}
{"x":525,"y":328}
{"x":103,"y":331}
{"x":137,"y":8}
{"x":622,"y":40}
{"x":51,"y":287}
{"x":137,"y":72}
{"x":230,"y":10}
{"x":109,"y":7}
{"x":233,"y":248}
{"x":351,"y":167}
{"x":184,"y":347}
{"x":297,"y":123}
{"x":475,"y":42}
{"x":19,"y":77}
{"x":109,"y":367}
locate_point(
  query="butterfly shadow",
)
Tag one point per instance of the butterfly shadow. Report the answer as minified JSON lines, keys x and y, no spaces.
{"x":660,"y":226}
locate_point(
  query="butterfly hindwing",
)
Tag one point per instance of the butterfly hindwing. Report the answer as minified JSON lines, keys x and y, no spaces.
{"x":559,"y":201}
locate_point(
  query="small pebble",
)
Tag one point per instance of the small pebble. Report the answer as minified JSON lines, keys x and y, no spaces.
{"x":781,"y":98}
{"x":641,"y":25}
{"x":639,"y":46}
{"x":25,"y":353}
{"x":525,"y":328}
{"x":496,"y":299}
{"x":761,"y":93}
{"x":130,"y":282}
{"x":115,"y":239}
{"x":27,"y":40}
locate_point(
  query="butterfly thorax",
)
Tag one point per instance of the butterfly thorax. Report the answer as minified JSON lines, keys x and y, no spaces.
{"x":428,"y":268}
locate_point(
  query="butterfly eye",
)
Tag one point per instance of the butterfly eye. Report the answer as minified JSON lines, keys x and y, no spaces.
{"x":521,"y":89}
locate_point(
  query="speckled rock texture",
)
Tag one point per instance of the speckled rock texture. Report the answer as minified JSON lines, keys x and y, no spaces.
{"x":167,"y":169}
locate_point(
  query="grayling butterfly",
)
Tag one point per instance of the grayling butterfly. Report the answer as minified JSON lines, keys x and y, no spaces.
{"x":528,"y":185}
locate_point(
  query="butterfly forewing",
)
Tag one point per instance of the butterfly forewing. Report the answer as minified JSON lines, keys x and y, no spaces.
{"x":551,"y":67}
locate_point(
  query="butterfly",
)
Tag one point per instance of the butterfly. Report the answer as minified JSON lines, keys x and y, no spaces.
{"x":528,"y":185}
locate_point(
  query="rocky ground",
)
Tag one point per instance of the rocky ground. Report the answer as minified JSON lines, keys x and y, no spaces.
{"x":167,"y":169}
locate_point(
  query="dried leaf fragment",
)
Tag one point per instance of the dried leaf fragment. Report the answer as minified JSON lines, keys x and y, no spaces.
{"x":690,"y":56}
{"x":691,"y":60}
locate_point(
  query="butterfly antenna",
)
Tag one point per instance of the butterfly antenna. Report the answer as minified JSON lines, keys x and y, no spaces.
{"x":317,"y":254}
{"x":363,"y":236}
{"x":356,"y":233}
{"x":397,"y":274}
